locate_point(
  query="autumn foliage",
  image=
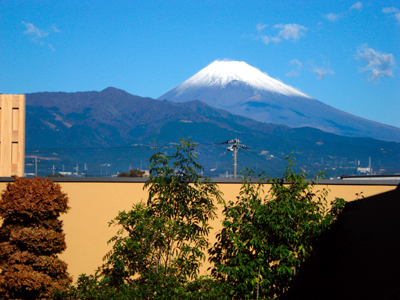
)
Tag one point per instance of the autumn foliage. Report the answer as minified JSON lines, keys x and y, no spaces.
{"x":31,"y":236}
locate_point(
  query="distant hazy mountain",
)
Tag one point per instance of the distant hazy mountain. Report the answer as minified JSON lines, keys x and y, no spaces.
{"x":63,"y":127}
{"x":114,"y":117}
{"x":244,"y":90}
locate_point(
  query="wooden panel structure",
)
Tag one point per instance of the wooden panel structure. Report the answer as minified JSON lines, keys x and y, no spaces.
{"x":12,"y":135}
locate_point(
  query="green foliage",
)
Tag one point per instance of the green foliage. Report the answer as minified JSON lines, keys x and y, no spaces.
{"x":266,"y":237}
{"x":92,"y":287}
{"x":170,"y":232}
{"x":152,"y":286}
{"x":132,"y":173}
{"x":160,"y":247}
{"x":30,"y":237}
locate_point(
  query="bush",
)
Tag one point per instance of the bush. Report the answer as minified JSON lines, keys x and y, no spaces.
{"x":132,"y":173}
{"x":265,"y":239}
{"x":30,"y":237}
{"x":152,"y":286}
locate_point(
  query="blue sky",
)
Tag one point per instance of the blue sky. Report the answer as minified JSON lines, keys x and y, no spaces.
{"x":343,"y":53}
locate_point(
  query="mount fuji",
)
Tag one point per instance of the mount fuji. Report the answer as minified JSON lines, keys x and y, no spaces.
{"x":244,"y":90}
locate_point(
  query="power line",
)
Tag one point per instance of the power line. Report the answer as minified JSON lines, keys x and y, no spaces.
{"x":234,"y":145}
{"x":119,"y":148}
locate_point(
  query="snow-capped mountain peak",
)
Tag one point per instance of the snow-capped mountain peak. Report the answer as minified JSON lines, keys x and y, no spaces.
{"x":244,"y":90}
{"x":222,"y":73}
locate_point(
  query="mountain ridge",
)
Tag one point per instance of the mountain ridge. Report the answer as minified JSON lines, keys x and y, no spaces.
{"x":117,"y":108}
{"x":247,"y":97}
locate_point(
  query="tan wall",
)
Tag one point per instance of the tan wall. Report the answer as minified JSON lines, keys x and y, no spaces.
{"x":94,"y":204}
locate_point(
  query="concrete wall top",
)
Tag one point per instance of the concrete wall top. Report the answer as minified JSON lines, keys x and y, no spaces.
{"x":353,"y":181}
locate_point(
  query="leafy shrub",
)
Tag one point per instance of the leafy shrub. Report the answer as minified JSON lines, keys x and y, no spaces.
{"x":30,"y":237}
{"x":151,"y":286}
{"x":265,"y":239}
{"x":132,"y":173}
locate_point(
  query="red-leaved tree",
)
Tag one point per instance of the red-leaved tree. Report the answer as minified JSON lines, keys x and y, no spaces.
{"x":31,"y":236}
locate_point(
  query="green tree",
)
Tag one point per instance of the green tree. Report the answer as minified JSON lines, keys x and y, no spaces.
{"x":266,"y":237}
{"x":30,"y":238}
{"x":161,"y":243}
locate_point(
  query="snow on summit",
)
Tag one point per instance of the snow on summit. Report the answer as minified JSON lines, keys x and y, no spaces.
{"x":243,"y":90}
{"x":222,"y":73}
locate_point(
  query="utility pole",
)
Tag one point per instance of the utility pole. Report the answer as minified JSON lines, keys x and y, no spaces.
{"x":234,"y":146}
{"x":235,"y":149}
{"x":36,"y":166}
{"x":370,"y":166}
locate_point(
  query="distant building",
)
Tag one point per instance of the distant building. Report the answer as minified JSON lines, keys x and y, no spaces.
{"x":365,"y":171}
{"x":65,"y":173}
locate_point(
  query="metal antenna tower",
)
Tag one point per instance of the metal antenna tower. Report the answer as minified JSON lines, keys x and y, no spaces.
{"x":234,"y":146}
